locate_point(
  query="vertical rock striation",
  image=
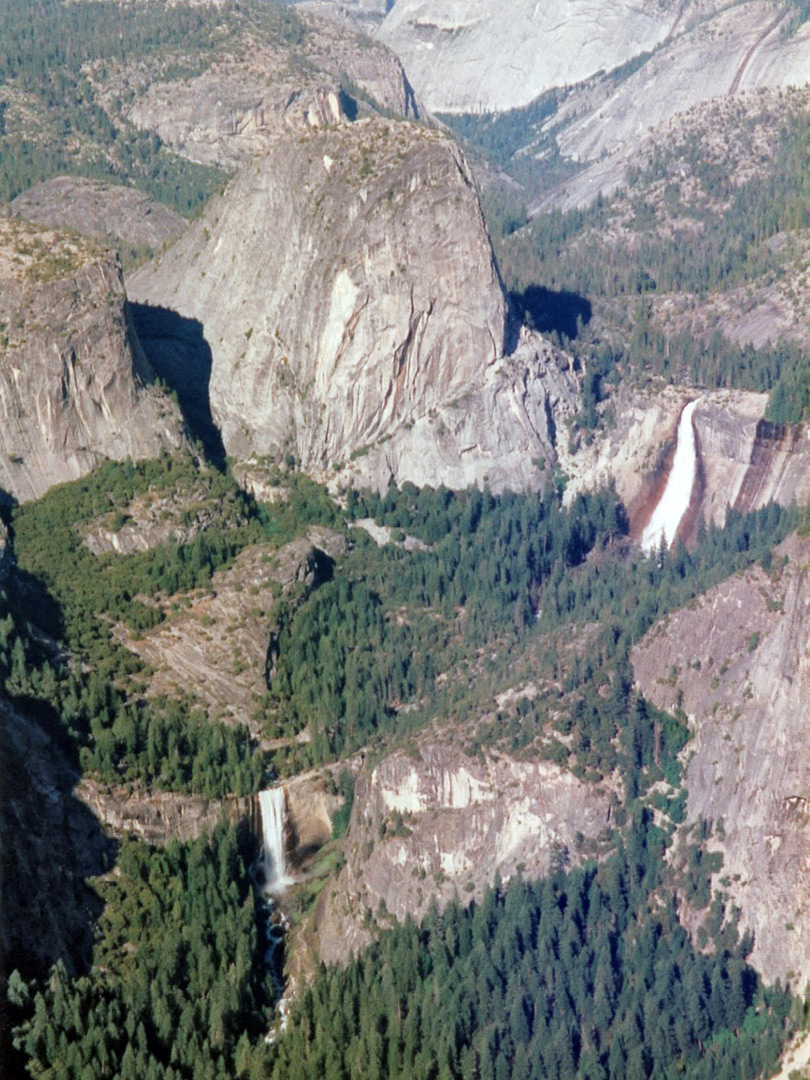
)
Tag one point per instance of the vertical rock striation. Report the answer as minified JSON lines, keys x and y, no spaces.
{"x":346,"y":288}
{"x":75,"y":387}
{"x":738,"y":662}
{"x":438,"y":824}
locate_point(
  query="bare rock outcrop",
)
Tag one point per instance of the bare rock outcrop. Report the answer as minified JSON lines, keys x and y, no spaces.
{"x":75,"y":387}
{"x":261,"y":87}
{"x":216,"y":648}
{"x":154,"y":518}
{"x":346,"y":287}
{"x":436,"y":824}
{"x":160,"y":816}
{"x":736,"y":660}
{"x":102,"y":210}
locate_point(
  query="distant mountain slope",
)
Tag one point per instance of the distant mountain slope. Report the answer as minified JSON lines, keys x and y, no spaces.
{"x":470,"y":55}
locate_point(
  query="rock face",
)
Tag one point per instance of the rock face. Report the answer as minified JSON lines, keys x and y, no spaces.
{"x":102,"y":210}
{"x":346,"y":288}
{"x":743,"y":461}
{"x":75,"y":387}
{"x":465,"y":56}
{"x":49,"y":843}
{"x":737,"y":661}
{"x":217,"y":648}
{"x":262,"y":87}
{"x":690,"y":69}
{"x":612,"y":124}
{"x":747,"y":461}
{"x":439,"y":824}
{"x":161,"y":816}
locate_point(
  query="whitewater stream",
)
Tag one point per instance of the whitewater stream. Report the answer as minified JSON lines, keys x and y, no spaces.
{"x":674,"y":502}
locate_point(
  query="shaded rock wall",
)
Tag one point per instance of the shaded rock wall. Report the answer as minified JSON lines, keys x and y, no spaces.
{"x":49,"y":843}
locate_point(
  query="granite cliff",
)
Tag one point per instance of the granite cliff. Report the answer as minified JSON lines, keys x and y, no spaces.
{"x":101,"y":210}
{"x":736,"y":661}
{"x":75,"y":387}
{"x":288,"y":72}
{"x":346,"y":289}
{"x":743,"y":460}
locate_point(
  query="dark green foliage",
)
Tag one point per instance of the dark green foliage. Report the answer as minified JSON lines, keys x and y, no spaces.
{"x":48,"y":540}
{"x":177,"y":989}
{"x":76,"y":597}
{"x":340,"y":818}
{"x":587,"y":974}
{"x":566,"y":254}
{"x":629,"y":594}
{"x":501,"y":135}
{"x":729,"y":250}
{"x":375,"y":638}
{"x":348,"y":661}
{"x":163,"y":743}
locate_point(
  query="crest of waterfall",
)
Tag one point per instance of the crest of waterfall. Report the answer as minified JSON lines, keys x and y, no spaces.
{"x":674,"y":503}
{"x":273,"y":805}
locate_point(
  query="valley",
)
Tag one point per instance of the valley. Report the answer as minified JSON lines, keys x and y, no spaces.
{"x":405,"y":498}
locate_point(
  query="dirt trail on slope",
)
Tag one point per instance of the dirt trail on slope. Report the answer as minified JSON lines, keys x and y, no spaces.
{"x":735,"y":85}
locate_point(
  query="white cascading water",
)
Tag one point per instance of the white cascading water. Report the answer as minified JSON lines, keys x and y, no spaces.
{"x":273,"y":805}
{"x":674,"y":503}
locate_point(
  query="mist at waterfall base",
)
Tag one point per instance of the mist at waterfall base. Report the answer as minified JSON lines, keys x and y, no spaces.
{"x":271,"y":880}
{"x":674,"y":502}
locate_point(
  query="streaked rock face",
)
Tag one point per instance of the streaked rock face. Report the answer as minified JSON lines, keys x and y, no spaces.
{"x":466,"y":56}
{"x":74,"y":385}
{"x":346,"y":288}
{"x":438,"y":823}
{"x":743,"y":461}
{"x":737,"y":660}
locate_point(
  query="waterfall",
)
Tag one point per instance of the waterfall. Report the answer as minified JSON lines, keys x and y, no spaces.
{"x":273,"y":805}
{"x":674,"y":502}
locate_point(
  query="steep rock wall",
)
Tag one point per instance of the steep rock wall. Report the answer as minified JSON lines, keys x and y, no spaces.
{"x":465,"y":56}
{"x":737,"y":661}
{"x":743,"y":461}
{"x":346,"y":288}
{"x":50,"y":842}
{"x":75,"y":387}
